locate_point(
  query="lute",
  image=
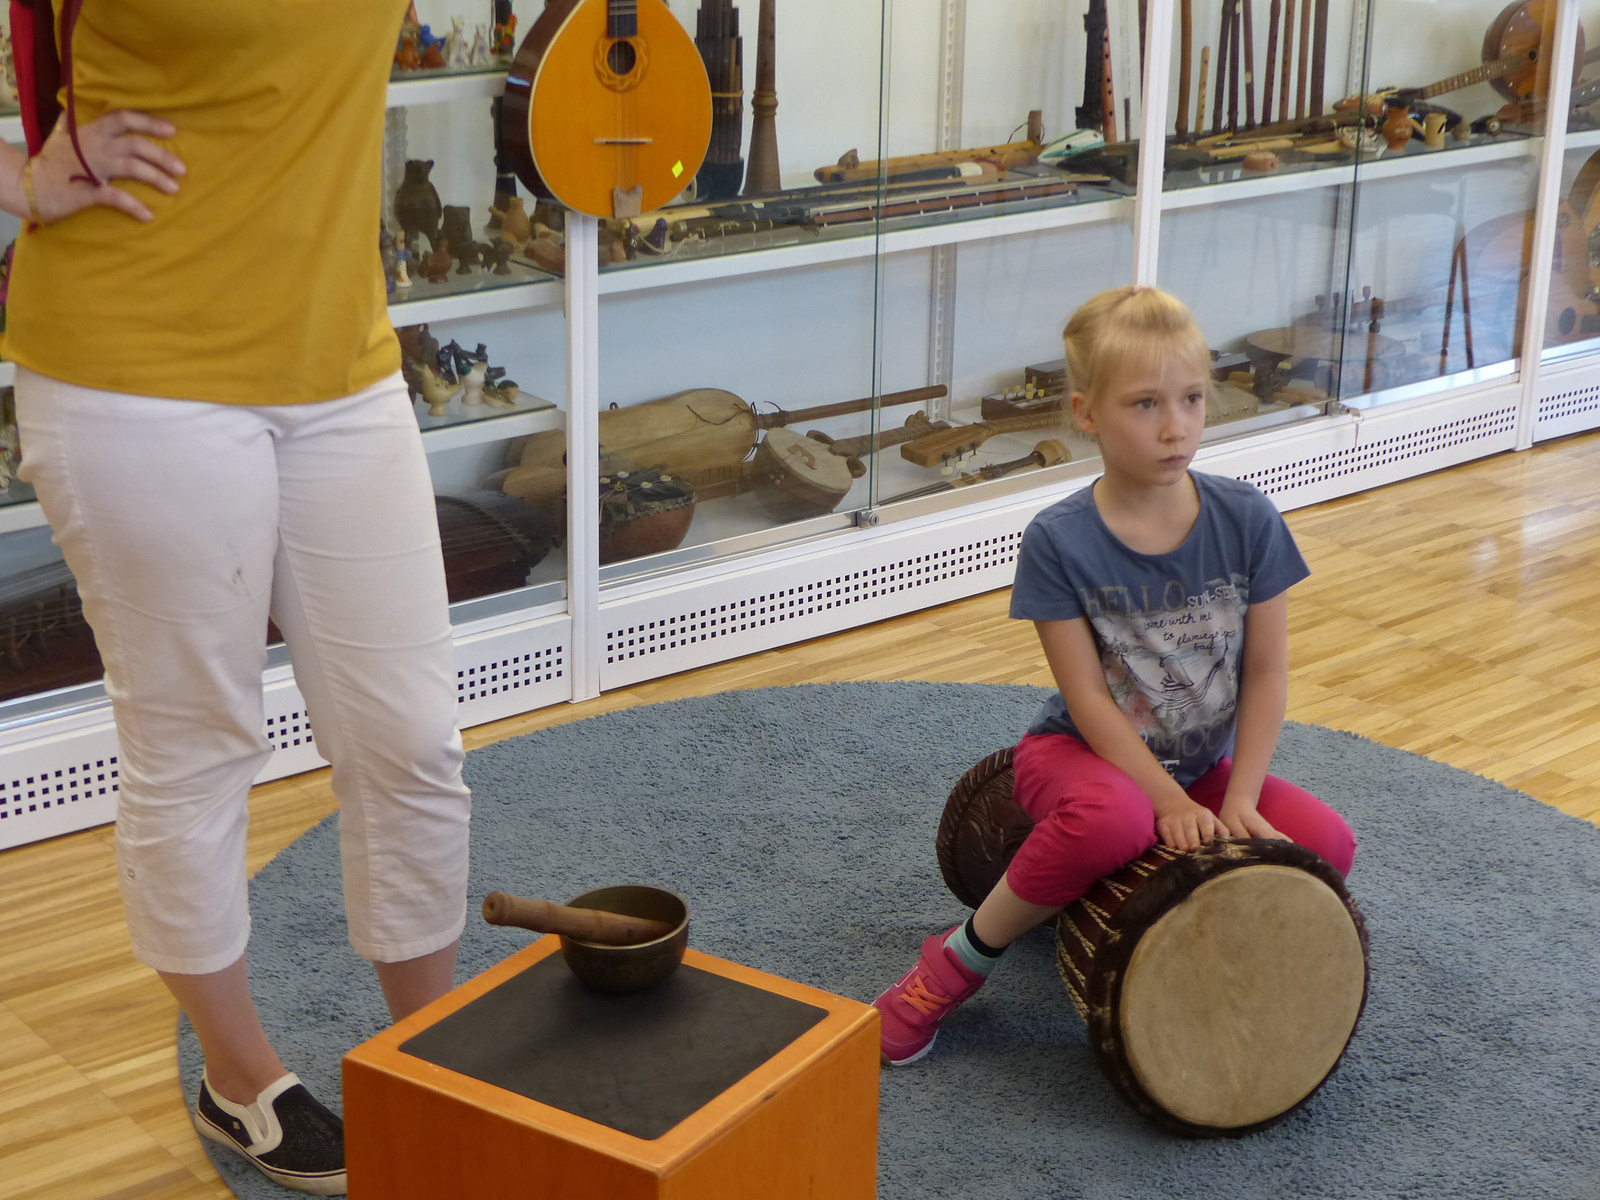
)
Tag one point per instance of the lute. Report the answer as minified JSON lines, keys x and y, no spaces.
{"x":943,"y":446}
{"x":607,"y":106}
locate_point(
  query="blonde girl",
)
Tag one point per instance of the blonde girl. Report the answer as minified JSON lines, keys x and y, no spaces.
{"x":1159,"y":596}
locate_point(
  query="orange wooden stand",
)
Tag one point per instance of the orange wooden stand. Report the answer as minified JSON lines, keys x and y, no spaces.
{"x":803,"y":1125}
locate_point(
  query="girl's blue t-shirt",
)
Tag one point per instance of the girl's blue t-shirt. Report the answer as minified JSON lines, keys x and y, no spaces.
{"x":1169,"y":627}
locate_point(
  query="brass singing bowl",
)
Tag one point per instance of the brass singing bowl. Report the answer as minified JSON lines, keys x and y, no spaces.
{"x":629,"y":968}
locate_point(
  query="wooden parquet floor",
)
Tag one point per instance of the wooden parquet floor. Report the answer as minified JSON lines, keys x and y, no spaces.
{"x":1452,"y":615}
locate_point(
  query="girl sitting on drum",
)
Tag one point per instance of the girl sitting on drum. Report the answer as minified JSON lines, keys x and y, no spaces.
{"x":1160,"y":599}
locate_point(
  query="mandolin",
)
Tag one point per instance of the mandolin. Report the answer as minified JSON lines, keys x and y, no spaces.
{"x":607,"y":107}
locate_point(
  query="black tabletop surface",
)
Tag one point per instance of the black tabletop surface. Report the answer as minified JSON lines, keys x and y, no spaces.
{"x":639,"y":1063}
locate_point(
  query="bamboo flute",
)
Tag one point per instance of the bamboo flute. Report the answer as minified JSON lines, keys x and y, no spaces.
{"x":1234,"y":59}
{"x":1108,"y":92}
{"x":1319,"y":56}
{"x":1185,"y":40}
{"x":762,"y":174}
{"x":1200,"y":105}
{"x":1305,"y":46}
{"x":1272,"y":61}
{"x":1288,"y":59}
{"x":1222,"y":70}
{"x":1249,"y":68}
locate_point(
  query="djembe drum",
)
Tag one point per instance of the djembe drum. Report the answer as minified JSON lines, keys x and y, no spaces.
{"x":1220,"y":988}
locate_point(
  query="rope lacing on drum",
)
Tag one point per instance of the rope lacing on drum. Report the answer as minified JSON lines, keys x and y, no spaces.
{"x":1101,"y":916}
{"x":1088,"y":946}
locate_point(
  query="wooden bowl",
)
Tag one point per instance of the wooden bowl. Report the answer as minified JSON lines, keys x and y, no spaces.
{"x":629,"y":968}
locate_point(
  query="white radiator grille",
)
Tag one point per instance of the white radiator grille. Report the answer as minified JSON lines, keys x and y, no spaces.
{"x":805,"y":599}
{"x":58,"y":789}
{"x":1384,"y":451}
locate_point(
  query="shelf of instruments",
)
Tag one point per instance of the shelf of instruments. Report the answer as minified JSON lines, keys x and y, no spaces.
{"x":535,"y":290}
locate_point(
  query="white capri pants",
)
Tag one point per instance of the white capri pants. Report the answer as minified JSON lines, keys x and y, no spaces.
{"x":185,"y":523}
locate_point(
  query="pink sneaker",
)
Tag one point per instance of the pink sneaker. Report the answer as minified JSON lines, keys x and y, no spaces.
{"x":923,"y":997}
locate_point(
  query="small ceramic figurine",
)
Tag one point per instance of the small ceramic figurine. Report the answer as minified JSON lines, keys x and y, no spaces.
{"x":515,"y":227}
{"x":436,"y":263}
{"x":1433,"y":130}
{"x":390,"y":257}
{"x":497,"y":254}
{"x":1397,"y":127}
{"x":457,"y":230}
{"x":501,"y":395}
{"x":436,"y":391}
{"x":406,"y":57}
{"x":458,"y":56}
{"x":402,"y":277}
{"x":427,"y":345}
{"x":479,"y":56}
{"x":504,"y":37}
{"x":433,"y":57}
{"x":472,"y":392}
{"x":416,"y":202}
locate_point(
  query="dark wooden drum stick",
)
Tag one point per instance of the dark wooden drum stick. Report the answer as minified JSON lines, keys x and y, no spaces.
{"x":1288,"y":59}
{"x":584,"y":924}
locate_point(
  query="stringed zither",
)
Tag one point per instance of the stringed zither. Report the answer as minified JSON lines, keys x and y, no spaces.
{"x":607,"y":107}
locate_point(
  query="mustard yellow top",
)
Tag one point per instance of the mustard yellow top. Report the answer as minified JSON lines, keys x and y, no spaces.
{"x":260,"y":282}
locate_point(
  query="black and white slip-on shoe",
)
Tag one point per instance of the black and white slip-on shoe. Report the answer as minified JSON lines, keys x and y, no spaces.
{"x":286,"y":1133}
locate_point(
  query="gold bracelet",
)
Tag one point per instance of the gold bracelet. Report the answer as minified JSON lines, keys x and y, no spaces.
{"x":27,"y":189}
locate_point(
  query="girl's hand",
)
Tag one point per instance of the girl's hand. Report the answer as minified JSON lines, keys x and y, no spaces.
{"x":114,"y":148}
{"x":1188,"y":826}
{"x":1242,"y":820}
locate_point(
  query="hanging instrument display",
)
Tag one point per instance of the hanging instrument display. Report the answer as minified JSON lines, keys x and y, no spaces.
{"x":607,"y":107}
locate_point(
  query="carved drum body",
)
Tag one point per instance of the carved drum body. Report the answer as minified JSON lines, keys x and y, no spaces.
{"x":1220,"y":988}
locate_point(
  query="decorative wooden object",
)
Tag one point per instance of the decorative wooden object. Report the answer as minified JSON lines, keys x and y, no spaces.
{"x":811,"y":475}
{"x":802,"y":1125}
{"x":762,"y":175}
{"x":1094,"y":112}
{"x":1200,"y":101}
{"x":607,"y":106}
{"x":1048,"y":453}
{"x":1223,"y":58}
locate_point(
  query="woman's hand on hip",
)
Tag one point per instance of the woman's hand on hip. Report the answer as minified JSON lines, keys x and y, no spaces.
{"x":117,"y":146}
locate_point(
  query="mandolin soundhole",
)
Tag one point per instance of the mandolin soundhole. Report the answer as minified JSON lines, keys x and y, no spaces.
{"x":622,"y":58}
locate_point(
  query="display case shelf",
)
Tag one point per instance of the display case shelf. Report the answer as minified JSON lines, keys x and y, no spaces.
{"x":1414,"y":163}
{"x":442,"y":87}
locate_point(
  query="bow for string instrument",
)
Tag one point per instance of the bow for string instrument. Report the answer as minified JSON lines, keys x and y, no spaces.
{"x":607,"y":106}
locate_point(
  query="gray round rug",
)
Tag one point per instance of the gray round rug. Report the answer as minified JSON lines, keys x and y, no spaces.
{"x":799,"y":823}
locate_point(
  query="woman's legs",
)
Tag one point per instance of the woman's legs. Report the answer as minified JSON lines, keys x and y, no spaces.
{"x":168,"y":513}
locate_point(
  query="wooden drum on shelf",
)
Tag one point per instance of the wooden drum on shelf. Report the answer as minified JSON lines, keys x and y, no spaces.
{"x":1220,"y":988}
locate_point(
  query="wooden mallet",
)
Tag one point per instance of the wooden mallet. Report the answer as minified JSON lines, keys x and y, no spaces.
{"x":583,"y":924}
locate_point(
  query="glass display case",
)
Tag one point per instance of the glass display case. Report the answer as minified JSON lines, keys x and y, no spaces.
{"x":822,"y":384}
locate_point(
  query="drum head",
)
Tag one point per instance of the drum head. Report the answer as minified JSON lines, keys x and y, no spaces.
{"x":1239,"y":1001}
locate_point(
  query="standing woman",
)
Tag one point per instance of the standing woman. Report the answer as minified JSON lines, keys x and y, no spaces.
{"x":211,"y":412}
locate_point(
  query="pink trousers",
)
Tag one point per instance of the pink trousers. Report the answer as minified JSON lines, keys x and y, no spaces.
{"x":1090,"y":818}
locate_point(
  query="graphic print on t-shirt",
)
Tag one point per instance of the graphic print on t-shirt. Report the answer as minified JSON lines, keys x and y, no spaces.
{"x":1172,"y":661}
